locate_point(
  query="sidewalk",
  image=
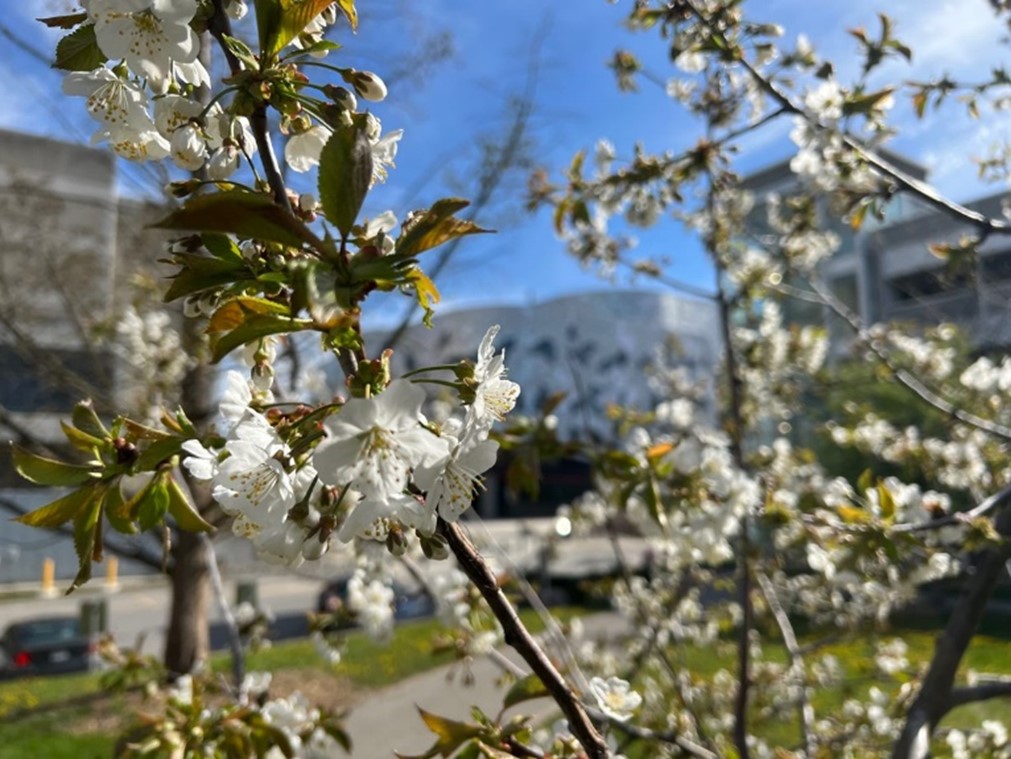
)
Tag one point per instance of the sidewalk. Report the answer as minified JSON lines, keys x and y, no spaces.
{"x":387,"y":720}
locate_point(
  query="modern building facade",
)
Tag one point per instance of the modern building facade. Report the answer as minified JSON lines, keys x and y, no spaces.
{"x":596,"y":348}
{"x":886,"y":272}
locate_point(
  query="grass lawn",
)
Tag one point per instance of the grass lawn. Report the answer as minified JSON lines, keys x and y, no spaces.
{"x":781,"y":726}
{"x":69,"y":717}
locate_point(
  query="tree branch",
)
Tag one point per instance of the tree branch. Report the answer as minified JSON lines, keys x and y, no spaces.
{"x":983,"y":691}
{"x":804,"y":707}
{"x":902,"y":375}
{"x":517,"y":636}
{"x":883,"y":167}
{"x":935,"y":696}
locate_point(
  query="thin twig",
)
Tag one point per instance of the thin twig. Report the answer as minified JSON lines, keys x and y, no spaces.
{"x":902,"y":375}
{"x":231,"y":627}
{"x":804,"y":707}
{"x":882,"y":166}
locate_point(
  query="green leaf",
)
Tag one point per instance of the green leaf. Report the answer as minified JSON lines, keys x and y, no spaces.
{"x":86,"y":420}
{"x":528,"y":688}
{"x":450,"y":735}
{"x":86,"y":543}
{"x":79,"y":51}
{"x":80,"y":440}
{"x":294,"y":18}
{"x":113,"y":506}
{"x":59,"y":511}
{"x":347,"y":7}
{"x":158,"y":452}
{"x":345,"y":173}
{"x":45,"y":471}
{"x":268,"y":18}
{"x":138,"y":431}
{"x":233,"y":313}
{"x":886,"y":502}
{"x":199,"y":272}
{"x":153,"y":504}
{"x":253,"y":328}
{"x":246,"y":214}
{"x":434,"y":227}
{"x":241,"y":51}
{"x":186,"y":516}
{"x":425,"y":291}
{"x":223,"y":247}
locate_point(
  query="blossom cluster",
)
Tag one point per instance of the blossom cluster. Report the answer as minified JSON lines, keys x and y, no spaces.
{"x":147,"y":105}
{"x":381,"y":468}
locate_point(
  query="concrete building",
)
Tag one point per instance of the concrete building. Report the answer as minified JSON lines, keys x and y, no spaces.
{"x":594,"y":347}
{"x":68,"y":240}
{"x":885,"y":271}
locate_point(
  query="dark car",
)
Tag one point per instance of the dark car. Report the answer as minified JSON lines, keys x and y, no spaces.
{"x":46,"y":646}
{"x":411,"y":601}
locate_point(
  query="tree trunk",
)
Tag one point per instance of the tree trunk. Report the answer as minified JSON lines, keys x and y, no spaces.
{"x":187,"y":643}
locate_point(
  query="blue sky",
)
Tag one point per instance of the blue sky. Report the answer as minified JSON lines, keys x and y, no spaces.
{"x":446,"y":112}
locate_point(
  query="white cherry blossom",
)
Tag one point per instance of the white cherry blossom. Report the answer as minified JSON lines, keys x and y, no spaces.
{"x":374,"y":443}
{"x":494,"y":396}
{"x":615,"y":697}
{"x":148,"y":34}
{"x":302,"y":151}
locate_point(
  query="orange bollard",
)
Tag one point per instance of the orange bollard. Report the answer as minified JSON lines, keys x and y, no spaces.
{"x":48,"y":577}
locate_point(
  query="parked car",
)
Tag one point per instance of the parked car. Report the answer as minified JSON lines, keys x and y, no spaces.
{"x":46,"y":646}
{"x":411,"y":601}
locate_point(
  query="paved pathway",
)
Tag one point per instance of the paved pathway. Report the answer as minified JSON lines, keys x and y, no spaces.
{"x":388,"y":720}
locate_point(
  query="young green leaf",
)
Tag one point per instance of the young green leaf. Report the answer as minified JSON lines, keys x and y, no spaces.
{"x":61,"y":510}
{"x":252,"y":328}
{"x":113,"y":506}
{"x":45,"y":471}
{"x":86,"y":420}
{"x":185,"y":514}
{"x":434,"y":227}
{"x":528,"y":688}
{"x":153,"y":504}
{"x":294,"y":18}
{"x":345,"y":172}
{"x":268,"y":19}
{"x":79,"y":51}
{"x":87,"y":540}
{"x":246,"y":214}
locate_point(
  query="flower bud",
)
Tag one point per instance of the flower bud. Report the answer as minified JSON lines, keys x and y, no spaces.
{"x":434,"y":547}
{"x":342,"y":96}
{"x":396,"y":541}
{"x":366,"y":84}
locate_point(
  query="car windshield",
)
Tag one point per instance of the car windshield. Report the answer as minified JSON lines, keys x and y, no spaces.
{"x":46,"y":631}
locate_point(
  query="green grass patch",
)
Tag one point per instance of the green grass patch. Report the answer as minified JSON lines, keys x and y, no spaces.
{"x":779,"y":724}
{"x":68,"y":717}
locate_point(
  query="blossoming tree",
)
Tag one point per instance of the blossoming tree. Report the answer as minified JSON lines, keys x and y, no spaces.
{"x":368,"y":466}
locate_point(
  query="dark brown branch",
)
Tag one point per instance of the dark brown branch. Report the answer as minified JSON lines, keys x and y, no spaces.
{"x":743,"y":554}
{"x":934,"y":698}
{"x":981,"y":692}
{"x":517,"y":636}
{"x":220,"y":26}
